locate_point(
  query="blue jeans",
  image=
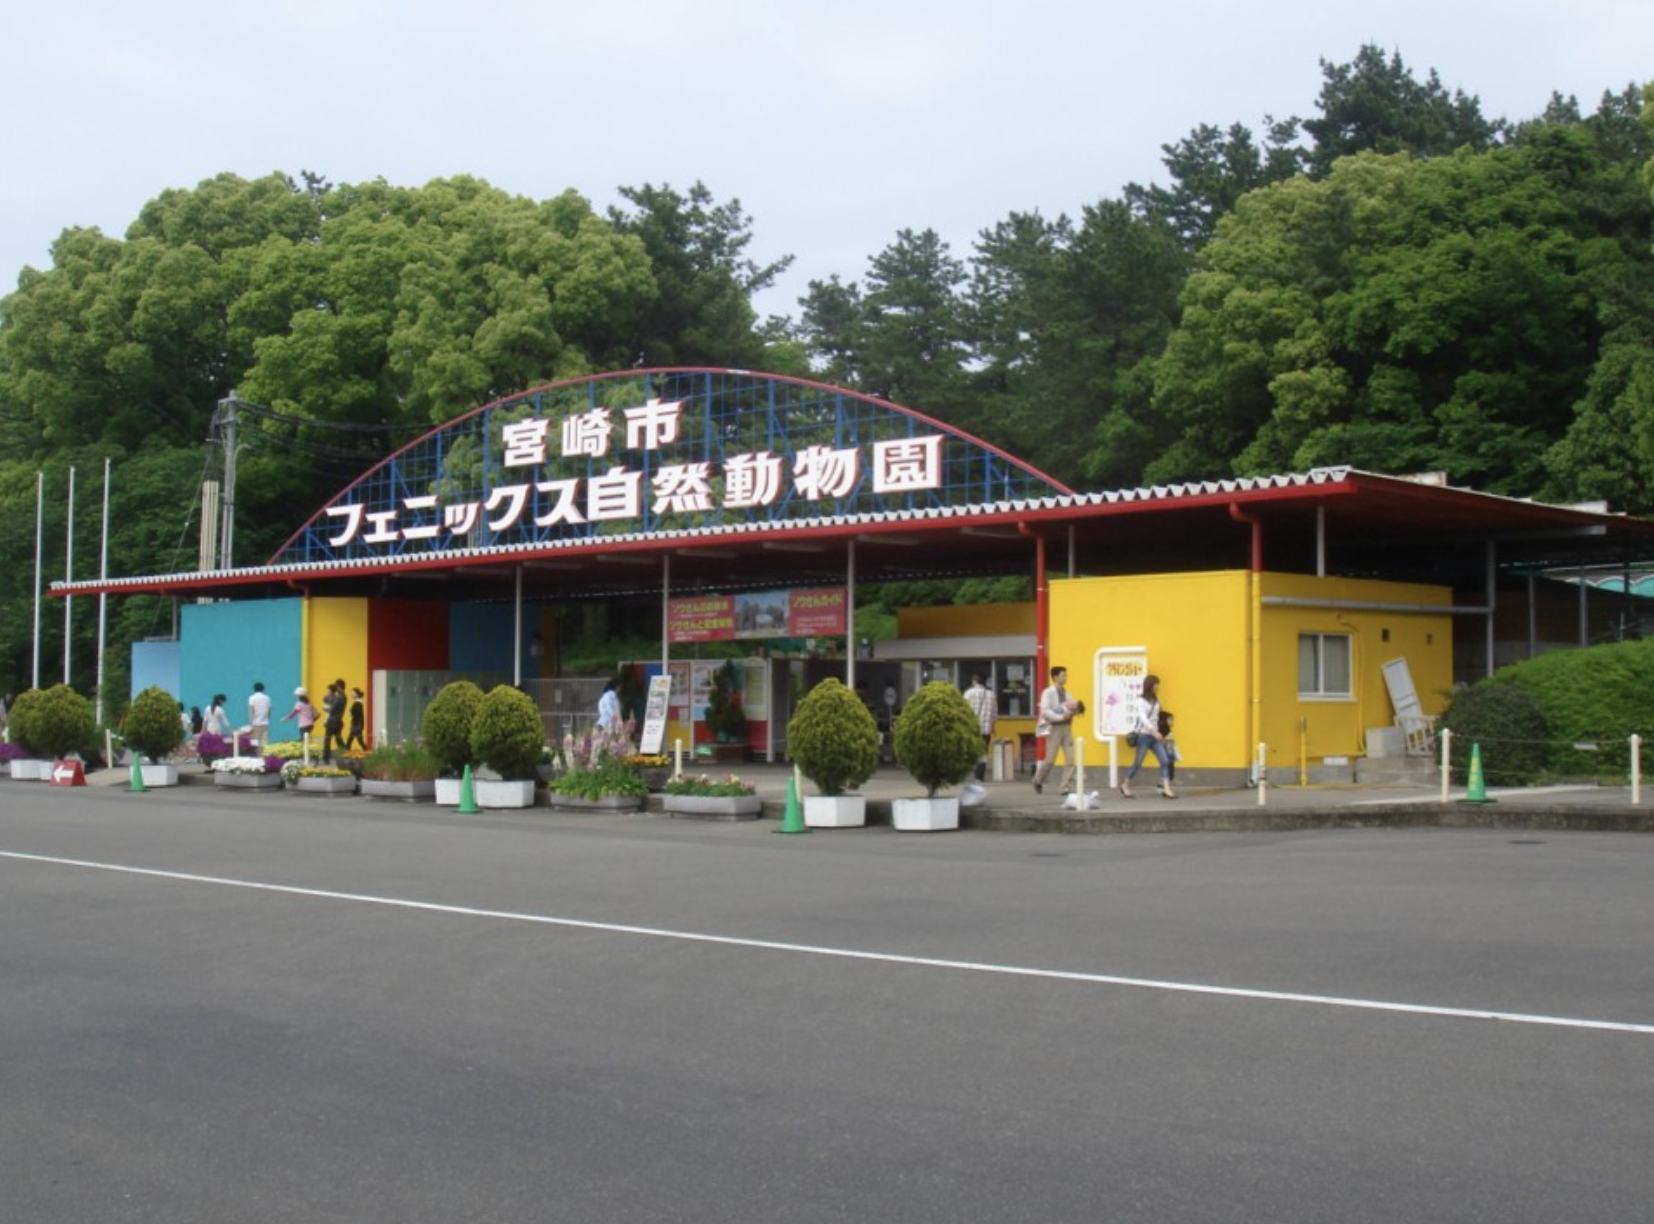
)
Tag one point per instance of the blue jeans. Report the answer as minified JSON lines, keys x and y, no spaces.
{"x":1145,"y":745}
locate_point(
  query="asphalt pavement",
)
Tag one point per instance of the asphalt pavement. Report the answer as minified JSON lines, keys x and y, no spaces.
{"x":234,"y":1007}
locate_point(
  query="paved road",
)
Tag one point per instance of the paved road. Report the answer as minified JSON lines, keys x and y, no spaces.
{"x":423,"y":1017}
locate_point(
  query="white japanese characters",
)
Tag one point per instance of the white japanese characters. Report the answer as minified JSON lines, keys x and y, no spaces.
{"x":751,"y":479}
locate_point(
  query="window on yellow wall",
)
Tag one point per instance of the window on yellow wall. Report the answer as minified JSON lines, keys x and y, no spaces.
{"x":1324,"y":665}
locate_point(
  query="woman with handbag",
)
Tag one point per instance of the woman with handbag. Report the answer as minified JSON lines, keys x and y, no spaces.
{"x":1146,"y":737}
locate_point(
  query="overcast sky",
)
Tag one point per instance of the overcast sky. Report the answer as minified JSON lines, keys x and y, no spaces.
{"x":835,"y":123}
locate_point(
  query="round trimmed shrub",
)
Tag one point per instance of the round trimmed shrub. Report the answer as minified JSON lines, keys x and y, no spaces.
{"x":937,"y":738}
{"x":152,"y":726}
{"x":833,"y":738}
{"x":446,"y":727}
{"x":20,"y":721}
{"x":1598,"y":695}
{"x":507,"y":733}
{"x":1508,"y":725}
{"x":62,"y":722}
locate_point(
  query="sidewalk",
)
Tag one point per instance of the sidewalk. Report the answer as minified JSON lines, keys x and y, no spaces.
{"x":1014,"y":807}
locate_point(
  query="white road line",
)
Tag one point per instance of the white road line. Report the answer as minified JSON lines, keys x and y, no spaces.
{"x":889,"y":958}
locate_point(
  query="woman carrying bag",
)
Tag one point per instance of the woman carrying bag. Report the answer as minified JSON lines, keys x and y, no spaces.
{"x":1146,"y":737}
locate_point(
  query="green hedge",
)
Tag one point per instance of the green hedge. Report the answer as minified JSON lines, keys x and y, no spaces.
{"x":1599,"y":695}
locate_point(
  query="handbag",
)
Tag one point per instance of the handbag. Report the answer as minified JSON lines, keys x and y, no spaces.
{"x":1131,"y":739}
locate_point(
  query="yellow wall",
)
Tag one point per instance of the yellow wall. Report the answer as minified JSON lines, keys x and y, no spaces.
{"x":1195,"y":629}
{"x":1332,"y":727}
{"x":337,"y":647}
{"x":961,"y":620}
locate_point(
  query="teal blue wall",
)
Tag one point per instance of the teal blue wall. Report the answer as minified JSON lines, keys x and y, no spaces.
{"x":227,"y":646}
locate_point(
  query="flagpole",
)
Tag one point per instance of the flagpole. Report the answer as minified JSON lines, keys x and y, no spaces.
{"x":39,"y":528}
{"x":69,"y":576}
{"x":103,"y":596}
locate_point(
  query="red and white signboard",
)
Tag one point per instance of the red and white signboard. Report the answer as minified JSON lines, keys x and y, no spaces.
{"x":67,"y":773}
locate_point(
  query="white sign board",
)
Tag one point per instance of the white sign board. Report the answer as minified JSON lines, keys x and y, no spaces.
{"x":1118,"y":682}
{"x":654,"y":714}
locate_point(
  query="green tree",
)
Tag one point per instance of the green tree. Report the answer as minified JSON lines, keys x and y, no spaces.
{"x":1375,"y":104}
{"x":702,"y":313}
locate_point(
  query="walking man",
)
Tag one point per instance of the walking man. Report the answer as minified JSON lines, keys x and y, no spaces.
{"x":985,"y":706}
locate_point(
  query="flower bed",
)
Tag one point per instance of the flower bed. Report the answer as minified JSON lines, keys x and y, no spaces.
{"x":726,"y":798}
{"x":247,"y":773}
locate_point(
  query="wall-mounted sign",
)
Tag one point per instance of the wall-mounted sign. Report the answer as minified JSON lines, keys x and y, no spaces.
{"x":813,"y":612}
{"x":639,"y":453}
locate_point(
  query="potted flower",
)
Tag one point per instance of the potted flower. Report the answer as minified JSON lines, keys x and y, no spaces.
{"x":446,"y":732}
{"x":507,"y":736}
{"x":318,"y":779}
{"x":834,"y":741}
{"x":727,"y":798}
{"x":939,"y":741}
{"x":607,"y":784}
{"x":400,"y":771}
{"x":655,"y":768}
{"x":247,"y":772}
{"x":212,"y":748}
{"x":153,"y":730}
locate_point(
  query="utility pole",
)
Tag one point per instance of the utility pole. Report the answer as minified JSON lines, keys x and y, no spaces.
{"x":227,"y":421}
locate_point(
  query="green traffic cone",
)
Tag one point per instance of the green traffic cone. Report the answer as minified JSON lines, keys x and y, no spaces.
{"x":137,"y":775}
{"x":1476,"y":790}
{"x":467,"y":795}
{"x":792,"y":820}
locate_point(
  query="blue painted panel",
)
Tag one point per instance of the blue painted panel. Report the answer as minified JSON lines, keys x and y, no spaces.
{"x":479,"y":637}
{"x":155,"y":663}
{"x":227,"y":646}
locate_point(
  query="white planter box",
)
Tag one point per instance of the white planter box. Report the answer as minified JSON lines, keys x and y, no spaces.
{"x":325,"y":786}
{"x":26,"y":769}
{"x":447,"y":790}
{"x":159,"y":775}
{"x":408,"y":792}
{"x":230,"y":781}
{"x":835,"y":811}
{"x":604,"y":803}
{"x":924,"y":815}
{"x":495,"y":794}
{"x":713,"y":807}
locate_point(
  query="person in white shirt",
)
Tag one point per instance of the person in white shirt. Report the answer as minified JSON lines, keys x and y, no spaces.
{"x":1056,"y":717}
{"x":258,"y":716}
{"x":608,"y":707}
{"x":985,"y":706}
{"x":1146,"y":727}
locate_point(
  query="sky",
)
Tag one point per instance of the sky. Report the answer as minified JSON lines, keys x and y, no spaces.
{"x":836,"y":125}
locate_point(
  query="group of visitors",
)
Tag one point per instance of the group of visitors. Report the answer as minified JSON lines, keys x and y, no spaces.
{"x":1150,"y":733}
{"x":335,"y":705}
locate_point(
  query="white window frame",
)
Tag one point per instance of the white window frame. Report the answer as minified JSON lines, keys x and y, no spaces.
{"x":1319,"y":691}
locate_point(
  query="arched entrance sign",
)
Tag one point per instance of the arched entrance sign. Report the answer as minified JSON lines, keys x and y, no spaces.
{"x":653,"y":452}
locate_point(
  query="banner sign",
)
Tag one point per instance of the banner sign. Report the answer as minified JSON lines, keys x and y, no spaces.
{"x":814,"y":612}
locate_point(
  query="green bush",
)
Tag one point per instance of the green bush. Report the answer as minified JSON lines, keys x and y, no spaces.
{"x":152,"y":726}
{"x":1600,"y":695}
{"x":507,"y":734}
{"x":20,"y":721}
{"x":446,"y":727}
{"x":1508,"y":725}
{"x":401,"y":763}
{"x":724,"y":717}
{"x":62,"y":721}
{"x":937,"y":738}
{"x":833,"y":738}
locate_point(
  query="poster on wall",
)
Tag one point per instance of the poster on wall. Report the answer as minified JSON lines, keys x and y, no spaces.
{"x":813,"y":612}
{"x":1118,"y":682}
